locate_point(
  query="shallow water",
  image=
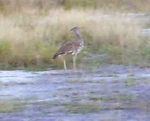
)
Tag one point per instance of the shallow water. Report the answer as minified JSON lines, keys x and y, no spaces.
{"x":17,"y":76}
{"x":111,"y":93}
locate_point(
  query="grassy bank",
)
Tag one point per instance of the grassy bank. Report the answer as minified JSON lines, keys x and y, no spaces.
{"x":28,"y":40}
{"x":106,"y":5}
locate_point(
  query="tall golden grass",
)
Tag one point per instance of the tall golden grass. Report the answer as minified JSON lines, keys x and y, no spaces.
{"x":32,"y":39}
{"x":106,"y":5}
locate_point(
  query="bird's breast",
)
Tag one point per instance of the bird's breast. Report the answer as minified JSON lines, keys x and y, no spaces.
{"x":77,"y":50}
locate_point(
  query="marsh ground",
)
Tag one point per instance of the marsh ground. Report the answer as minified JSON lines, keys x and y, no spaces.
{"x":115,"y":32}
{"x":110,"y":93}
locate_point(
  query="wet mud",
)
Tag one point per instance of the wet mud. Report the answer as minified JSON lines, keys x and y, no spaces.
{"x":110,"y":93}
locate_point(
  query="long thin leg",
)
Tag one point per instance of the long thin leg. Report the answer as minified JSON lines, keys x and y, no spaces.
{"x":64,"y":63}
{"x":65,"y":67}
{"x":74,"y":63}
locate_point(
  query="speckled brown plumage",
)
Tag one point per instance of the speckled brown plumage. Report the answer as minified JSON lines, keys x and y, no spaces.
{"x":72,"y":48}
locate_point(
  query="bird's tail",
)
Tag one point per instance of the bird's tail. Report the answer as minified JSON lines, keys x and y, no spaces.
{"x":55,"y":56}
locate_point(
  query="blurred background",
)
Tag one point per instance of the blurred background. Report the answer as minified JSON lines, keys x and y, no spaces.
{"x":115,"y":32}
{"x":112,"y":82}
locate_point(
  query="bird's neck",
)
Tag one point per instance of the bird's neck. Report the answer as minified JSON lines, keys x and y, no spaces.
{"x":80,"y":39}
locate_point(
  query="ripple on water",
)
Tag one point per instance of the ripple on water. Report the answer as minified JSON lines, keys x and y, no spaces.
{"x":17,"y":76}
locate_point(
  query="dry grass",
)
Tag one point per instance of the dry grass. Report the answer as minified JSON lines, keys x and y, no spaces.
{"x":32,"y":39}
{"x":106,"y":5}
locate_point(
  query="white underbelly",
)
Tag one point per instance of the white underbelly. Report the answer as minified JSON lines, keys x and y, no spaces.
{"x":77,"y":51}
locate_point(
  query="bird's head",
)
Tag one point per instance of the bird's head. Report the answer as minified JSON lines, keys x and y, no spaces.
{"x":74,"y":29}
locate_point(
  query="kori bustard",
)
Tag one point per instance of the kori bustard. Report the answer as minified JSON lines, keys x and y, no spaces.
{"x":71,"y":48}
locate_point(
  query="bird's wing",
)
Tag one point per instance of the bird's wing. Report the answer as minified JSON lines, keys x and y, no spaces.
{"x":66,"y":48}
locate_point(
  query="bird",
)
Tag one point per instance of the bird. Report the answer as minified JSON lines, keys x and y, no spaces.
{"x":71,"y":48}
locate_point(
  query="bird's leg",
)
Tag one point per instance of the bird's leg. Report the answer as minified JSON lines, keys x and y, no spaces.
{"x":74,"y":63}
{"x":65,"y":67}
{"x":64,"y":63}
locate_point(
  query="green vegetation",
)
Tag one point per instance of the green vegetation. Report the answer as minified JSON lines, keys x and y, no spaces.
{"x":106,"y":5}
{"x":12,"y":105}
{"x":136,"y":81}
{"x":82,"y":107}
{"x":92,"y":103}
{"x":31,"y":35}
